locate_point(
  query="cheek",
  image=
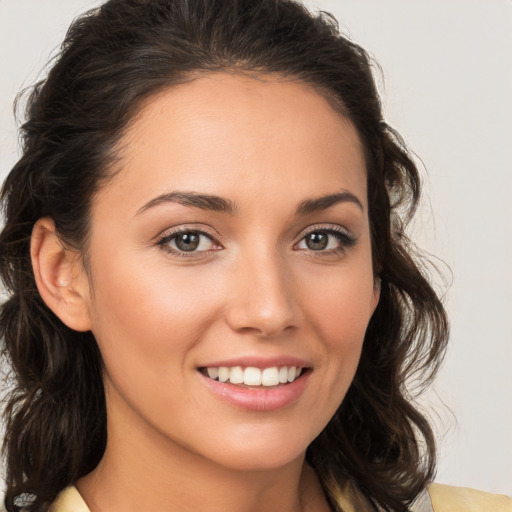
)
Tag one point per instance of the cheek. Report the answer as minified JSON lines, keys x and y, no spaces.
{"x":147,"y":325}
{"x":141,"y":312}
{"x":339,"y":311}
{"x":341,"y":306}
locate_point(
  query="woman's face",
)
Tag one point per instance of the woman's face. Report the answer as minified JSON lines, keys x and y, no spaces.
{"x":233,"y":244}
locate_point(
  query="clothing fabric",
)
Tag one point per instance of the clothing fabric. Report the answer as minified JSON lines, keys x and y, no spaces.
{"x":446,"y":498}
{"x":69,"y":500}
{"x":439,"y":498}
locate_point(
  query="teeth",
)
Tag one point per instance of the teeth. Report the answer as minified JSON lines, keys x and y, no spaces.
{"x":213,"y":373}
{"x":270,"y":376}
{"x":236,"y":375}
{"x":223,"y":374}
{"x":252,"y":376}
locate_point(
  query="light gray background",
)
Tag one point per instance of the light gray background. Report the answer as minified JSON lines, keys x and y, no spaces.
{"x":447,"y":88}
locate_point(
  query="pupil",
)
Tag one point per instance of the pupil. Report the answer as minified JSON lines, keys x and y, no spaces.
{"x":187,"y":242}
{"x":317,"y":241}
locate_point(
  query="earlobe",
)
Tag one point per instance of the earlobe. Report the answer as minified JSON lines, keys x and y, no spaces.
{"x":60,"y":276}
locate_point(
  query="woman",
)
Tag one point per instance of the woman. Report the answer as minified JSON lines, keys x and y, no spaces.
{"x":213,"y":303}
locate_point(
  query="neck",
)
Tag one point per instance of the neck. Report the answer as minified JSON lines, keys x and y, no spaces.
{"x":146,"y":482}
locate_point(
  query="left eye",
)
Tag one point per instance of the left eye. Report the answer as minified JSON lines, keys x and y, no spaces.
{"x":188,"y":241}
{"x":323,"y":240}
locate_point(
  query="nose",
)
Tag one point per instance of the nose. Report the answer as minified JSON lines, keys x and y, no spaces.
{"x":263,"y":300}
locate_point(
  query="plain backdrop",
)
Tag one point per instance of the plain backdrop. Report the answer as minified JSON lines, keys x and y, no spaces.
{"x":447,"y":87}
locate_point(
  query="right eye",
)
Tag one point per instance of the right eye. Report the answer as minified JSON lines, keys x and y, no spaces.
{"x":187,"y":241}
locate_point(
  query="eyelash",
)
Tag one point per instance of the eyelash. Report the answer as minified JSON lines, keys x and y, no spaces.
{"x":346,"y":239}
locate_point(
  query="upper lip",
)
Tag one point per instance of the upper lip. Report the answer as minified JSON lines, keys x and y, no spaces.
{"x":259,"y":362}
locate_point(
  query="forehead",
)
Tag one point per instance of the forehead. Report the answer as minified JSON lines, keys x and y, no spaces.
{"x":239,"y":136}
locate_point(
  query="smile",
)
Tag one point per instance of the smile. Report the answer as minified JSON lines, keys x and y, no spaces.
{"x":252,"y":376}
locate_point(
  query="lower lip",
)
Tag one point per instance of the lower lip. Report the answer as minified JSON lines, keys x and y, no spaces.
{"x":259,"y":399}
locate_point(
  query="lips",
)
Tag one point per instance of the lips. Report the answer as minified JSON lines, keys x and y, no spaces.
{"x":255,"y":384}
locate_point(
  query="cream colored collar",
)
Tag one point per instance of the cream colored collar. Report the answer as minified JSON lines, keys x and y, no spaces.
{"x":69,"y":500}
{"x":439,"y":498}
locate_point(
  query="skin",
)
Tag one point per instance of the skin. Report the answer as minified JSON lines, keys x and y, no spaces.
{"x":255,"y":289}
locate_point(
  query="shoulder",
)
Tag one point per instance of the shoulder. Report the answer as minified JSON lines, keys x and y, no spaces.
{"x":446,"y":498}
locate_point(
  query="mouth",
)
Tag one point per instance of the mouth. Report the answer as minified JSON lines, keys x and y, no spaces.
{"x":253,"y":377}
{"x":256,"y":386}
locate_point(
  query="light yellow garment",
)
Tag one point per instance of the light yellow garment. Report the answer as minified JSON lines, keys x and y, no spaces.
{"x":69,"y":500}
{"x":445,"y":498}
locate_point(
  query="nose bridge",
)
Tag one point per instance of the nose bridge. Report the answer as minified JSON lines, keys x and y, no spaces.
{"x":264,"y":300}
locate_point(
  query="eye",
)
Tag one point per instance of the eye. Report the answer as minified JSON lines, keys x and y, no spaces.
{"x":327,"y":240}
{"x":188,"y":241}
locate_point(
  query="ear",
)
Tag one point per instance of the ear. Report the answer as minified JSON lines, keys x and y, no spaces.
{"x":60,"y":276}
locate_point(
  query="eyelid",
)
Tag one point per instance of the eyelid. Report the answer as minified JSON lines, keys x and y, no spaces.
{"x":328,"y":228}
{"x":183,"y":228}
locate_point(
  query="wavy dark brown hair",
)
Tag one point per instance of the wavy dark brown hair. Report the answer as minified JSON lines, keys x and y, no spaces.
{"x":112,"y":60}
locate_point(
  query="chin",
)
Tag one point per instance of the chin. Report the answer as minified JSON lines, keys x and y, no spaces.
{"x":259,"y":450}
{"x":260,"y":461}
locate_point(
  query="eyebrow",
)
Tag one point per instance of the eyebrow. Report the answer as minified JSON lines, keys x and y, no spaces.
{"x":202,"y":201}
{"x":220,"y":204}
{"x":324,"y":202}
